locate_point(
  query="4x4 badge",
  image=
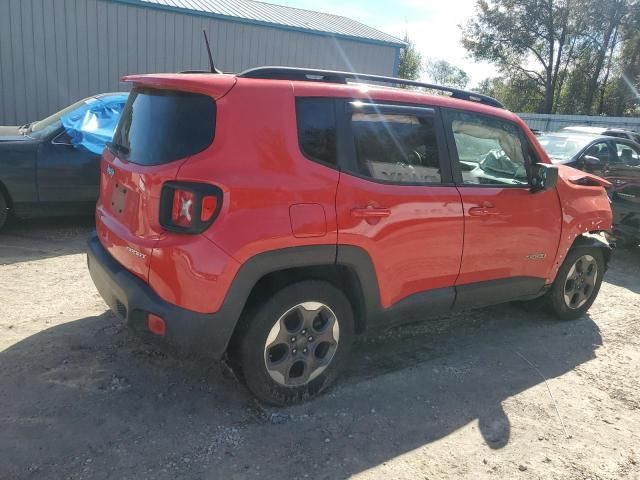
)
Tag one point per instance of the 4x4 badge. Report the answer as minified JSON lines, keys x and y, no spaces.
{"x":110,"y":171}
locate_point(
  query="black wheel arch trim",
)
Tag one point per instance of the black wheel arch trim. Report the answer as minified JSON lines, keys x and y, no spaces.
{"x":593,"y":241}
{"x":272,"y":261}
{"x":4,"y":191}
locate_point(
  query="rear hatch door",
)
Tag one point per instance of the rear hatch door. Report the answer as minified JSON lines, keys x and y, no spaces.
{"x":159,"y":130}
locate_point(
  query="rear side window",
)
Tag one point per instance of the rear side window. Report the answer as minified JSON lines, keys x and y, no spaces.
{"x":396,"y":148}
{"x":317,"y":128}
{"x":627,"y":154}
{"x":160,"y":126}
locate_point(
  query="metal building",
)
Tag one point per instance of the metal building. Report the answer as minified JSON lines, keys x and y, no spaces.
{"x":53,"y":52}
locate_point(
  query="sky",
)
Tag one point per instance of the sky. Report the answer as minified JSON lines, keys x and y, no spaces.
{"x":431,"y":24}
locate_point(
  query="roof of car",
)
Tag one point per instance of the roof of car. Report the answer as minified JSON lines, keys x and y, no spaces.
{"x":204,"y":80}
{"x":594,"y":129}
{"x":586,"y":136}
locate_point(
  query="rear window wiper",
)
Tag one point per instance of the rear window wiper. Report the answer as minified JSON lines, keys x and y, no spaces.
{"x":117,"y":148}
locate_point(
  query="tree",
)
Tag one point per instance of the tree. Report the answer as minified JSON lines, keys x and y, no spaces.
{"x":444,"y":73}
{"x":607,"y":14}
{"x":410,"y":65}
{"x":518,"y":93}
{"x":531,"y":37}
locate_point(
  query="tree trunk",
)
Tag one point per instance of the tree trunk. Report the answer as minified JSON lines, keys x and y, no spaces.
{"x":592,"y":86}
{"x":607,"y":72}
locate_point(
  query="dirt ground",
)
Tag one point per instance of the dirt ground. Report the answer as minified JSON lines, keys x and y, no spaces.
{"x":463,"y":396}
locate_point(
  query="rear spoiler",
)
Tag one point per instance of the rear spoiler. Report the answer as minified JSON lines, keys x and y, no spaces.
{"x":214,"y":85}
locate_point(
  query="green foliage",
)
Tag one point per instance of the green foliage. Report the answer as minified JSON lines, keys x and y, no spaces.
{"x":410,"y":66}
{"x":444,"y":73}
{"x":559,"y":56}
{"x":518,"y":93}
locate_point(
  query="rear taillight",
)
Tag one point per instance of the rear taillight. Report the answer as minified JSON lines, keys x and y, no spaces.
{"x":188,"y":207}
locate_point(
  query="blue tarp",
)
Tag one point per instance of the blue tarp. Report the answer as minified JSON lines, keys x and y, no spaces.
{"x":93,"y":124}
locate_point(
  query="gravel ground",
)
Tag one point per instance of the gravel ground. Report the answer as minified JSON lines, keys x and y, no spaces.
{"x":495,"y":393}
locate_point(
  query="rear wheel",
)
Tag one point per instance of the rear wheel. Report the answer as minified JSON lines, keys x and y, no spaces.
{"x":4,"y":211}
{"x":577,"y":283}
{"x":293,"y":346}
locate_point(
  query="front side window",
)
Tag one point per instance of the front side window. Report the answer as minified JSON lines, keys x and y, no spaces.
{"x":489,"y":150}
{"x":627,"y":154}
{"x":600,"y":151}
{"x":396,"y":148}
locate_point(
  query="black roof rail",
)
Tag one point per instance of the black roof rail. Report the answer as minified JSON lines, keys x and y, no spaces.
{"x":332,"y":76}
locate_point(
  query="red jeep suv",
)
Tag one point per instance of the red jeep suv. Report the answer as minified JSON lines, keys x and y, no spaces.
{"x":272,"y":215}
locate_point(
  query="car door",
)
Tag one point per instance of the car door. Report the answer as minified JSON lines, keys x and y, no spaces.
{"x":511,"y":234}
{"x":66,"y":173}
{"x":625,"y":165}
{"x":396,"y":201}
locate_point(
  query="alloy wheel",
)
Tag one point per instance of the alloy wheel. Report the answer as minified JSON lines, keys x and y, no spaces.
{"x":580,"y":282}
{"x":301,"y":344}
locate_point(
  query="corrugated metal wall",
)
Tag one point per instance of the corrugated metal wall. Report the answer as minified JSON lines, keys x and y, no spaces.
{"x":54,"y":52}
{"x":553,"y":123}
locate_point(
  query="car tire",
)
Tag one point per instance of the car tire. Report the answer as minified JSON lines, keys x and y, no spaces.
{"x":4,"y":211}
{"x":577,"y":284}
{"x":292,"y":346}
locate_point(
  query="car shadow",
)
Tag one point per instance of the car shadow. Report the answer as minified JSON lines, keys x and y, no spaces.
{"x":28,"y":240}
{"x":90,"y":399}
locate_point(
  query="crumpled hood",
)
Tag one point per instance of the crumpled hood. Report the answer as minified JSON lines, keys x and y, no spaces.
{"x":580,"y":177}
{"x":11,"y":134}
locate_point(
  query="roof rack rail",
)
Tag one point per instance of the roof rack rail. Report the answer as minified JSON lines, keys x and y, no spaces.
{"x":332,"y":76}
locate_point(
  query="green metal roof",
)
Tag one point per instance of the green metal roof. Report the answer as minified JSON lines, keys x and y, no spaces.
{"x":278,"y":16}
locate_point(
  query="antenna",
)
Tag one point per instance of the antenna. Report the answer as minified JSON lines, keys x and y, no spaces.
{"x":211,"y":66}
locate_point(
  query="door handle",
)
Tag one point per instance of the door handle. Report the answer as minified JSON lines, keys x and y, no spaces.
{"x":370,"y":212}
{"x":487,"y":208}
{"x":481,"y":212}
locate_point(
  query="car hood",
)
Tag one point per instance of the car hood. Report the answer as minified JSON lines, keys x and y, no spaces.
{"x":561,"y":161}
{"x":11,"y":134}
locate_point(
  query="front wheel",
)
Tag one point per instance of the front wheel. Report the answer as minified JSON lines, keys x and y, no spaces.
{"x":293,"y":346}
{"x":577,"y":283}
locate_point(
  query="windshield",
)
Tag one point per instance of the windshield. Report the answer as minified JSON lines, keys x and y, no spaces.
{"x":561,"y":148}
{"x":44,"y":127}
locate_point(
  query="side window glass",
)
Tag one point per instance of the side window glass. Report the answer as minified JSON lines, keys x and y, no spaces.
{"x":599,"y":151}
{"x":627,"y":154}
{"x":317,"y":128}
{"x":396,"y":148}
{"x":490,"y":150}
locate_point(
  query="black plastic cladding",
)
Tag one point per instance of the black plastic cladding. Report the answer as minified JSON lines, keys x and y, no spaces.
{"x":332,"y":76}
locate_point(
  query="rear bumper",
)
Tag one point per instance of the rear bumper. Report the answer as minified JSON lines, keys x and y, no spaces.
{"x":131,"y":299}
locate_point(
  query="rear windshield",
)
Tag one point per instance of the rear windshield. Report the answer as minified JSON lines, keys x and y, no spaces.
{"x":160,"y":126}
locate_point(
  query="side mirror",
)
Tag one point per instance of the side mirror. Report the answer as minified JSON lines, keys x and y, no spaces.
{"x":543,"y":177}
{"x":590,"y":161}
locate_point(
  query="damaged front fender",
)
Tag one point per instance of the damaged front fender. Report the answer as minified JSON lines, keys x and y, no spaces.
{"x":586,"y":210}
